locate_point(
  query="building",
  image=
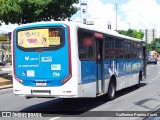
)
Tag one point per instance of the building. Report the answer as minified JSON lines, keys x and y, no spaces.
{"x":149,"y":34}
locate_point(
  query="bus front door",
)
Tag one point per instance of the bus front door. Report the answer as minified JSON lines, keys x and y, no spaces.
{"x":99,"y":66}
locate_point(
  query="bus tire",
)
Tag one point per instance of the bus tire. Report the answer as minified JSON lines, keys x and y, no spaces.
{"x":111,"y":91}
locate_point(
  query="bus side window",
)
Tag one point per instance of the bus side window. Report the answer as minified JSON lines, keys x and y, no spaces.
{"x":128,"y":50}
{"x":109,"y":48}
{"x":139,"y":51}
{"x":132,"y":50}
{"x":117,"y":41}
{"x":85,"y":45}
{"x":121,"y":49}
{"x":81,"y":49}
{"x":106,"y":48}
{"x":135,"y":50}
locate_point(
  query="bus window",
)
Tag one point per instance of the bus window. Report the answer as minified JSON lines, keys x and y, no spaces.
{"x":121,"y":49}
{"x":117,"y":48}
{"x":85,"y":45}
{"x":127,"y":50}
{"x":109,"y":48}
{"x":106,"y":48}
{"x":139,"y":51}
{"x":134,"y":50}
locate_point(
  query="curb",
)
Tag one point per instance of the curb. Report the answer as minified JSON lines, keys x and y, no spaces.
{"x":5,"y":84}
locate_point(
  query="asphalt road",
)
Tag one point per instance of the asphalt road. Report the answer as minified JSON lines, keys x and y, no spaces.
{"x":146,"y":98}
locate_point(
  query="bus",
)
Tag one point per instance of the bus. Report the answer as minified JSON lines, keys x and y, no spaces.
{"x":73,"y":60}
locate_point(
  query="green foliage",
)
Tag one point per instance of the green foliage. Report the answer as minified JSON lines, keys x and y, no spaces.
{"x":7,"y":50}
{"x":149,"y":47}
{"x":152,"y":45}
{"x":27,"y":11}
{"x":131,"y":33}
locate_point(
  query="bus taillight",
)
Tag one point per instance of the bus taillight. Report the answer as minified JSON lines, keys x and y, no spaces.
{"x":20,"y":81}
{"x":65,"y":80}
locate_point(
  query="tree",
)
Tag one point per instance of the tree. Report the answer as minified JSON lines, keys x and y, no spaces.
{"x":152,"y":45}
{"x":27,"y":11}
{"x":131,"y":33}
{"x":7,"y":51}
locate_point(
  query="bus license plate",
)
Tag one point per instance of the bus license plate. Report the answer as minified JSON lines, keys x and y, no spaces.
{"x":38,"y":84}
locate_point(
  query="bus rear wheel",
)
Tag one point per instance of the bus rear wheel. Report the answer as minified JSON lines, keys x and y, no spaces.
{"x":111,"y":91}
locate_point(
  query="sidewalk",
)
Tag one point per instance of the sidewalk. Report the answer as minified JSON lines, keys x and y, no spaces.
{"x":6,"y":86}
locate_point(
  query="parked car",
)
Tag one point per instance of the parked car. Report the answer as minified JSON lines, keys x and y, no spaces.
{"x":151,"y":59}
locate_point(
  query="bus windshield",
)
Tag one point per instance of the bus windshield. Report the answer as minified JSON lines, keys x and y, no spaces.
{"x":42,"y":38}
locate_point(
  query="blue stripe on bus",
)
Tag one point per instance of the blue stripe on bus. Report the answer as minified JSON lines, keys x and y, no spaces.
{"x":99,"y":70}
{"x":88,"y":71}
{"x":121,"y":68}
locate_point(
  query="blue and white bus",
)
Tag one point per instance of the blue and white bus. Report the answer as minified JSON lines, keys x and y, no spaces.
{"x":72,"y":60}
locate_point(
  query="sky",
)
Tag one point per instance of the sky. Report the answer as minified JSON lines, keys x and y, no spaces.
{"x":133,"y":14}
{"x":7,"y":28}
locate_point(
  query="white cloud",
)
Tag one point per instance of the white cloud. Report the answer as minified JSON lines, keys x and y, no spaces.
{"x":142,"y":14}
{"x":7,"y":28}
{"x":102,"y":13}
{"x":136,"y":14}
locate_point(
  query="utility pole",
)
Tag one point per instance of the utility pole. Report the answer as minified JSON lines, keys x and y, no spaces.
{"x":116,"y":15}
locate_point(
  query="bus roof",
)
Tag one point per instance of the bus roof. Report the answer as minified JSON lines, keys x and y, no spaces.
{"x":107,"y":31}
{"x":88,"y":27}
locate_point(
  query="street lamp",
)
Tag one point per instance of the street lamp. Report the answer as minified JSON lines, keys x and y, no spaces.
{"x":109,"y":24}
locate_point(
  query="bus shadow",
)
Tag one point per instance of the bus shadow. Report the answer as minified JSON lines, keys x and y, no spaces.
{"x":64,"y":107}
{"x":129,"y":90}
{"x":73,"y":107}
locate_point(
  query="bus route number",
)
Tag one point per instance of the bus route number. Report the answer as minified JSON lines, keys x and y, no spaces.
{"x":53,"y":33}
